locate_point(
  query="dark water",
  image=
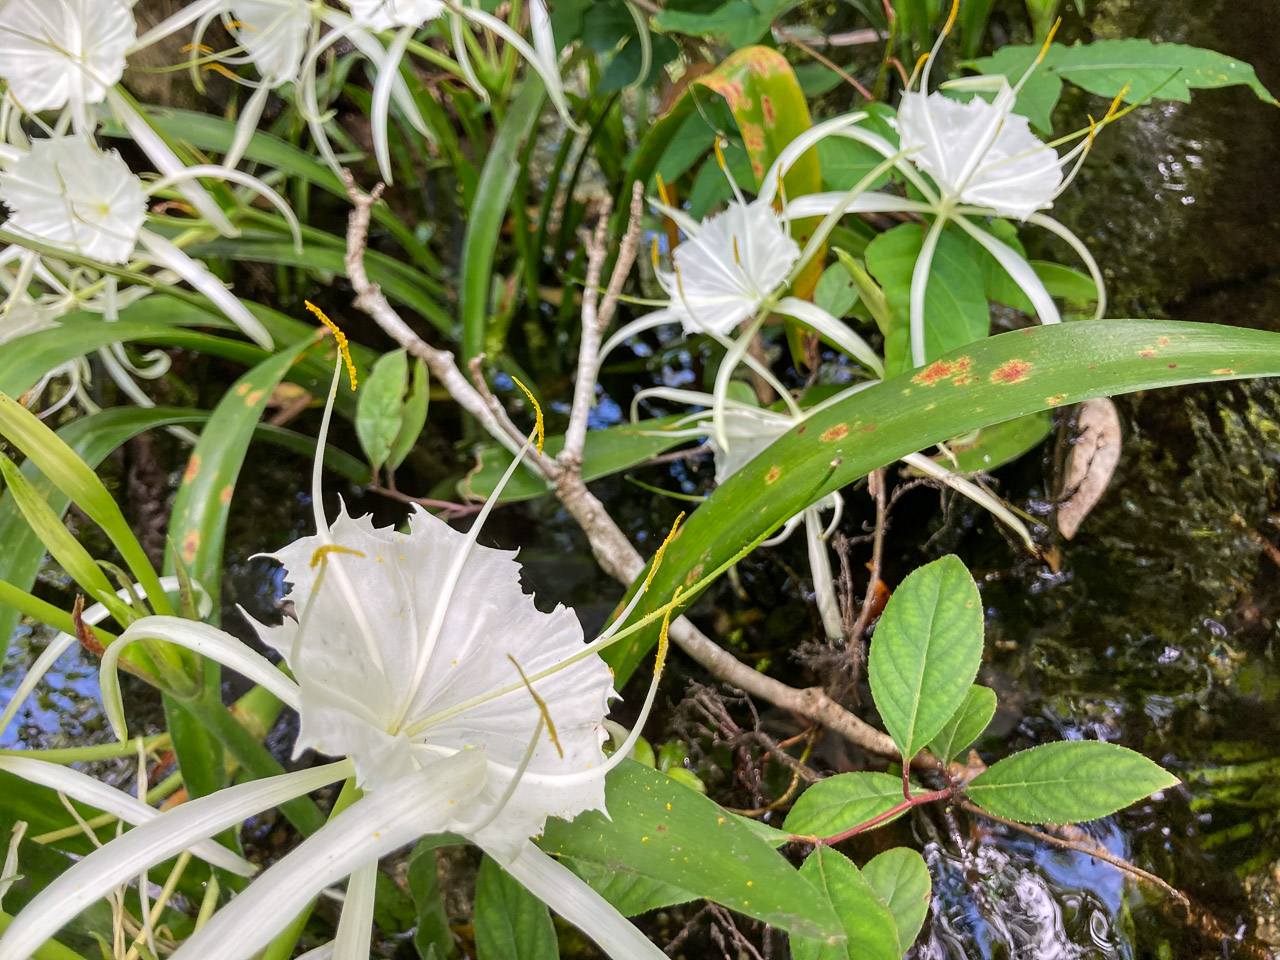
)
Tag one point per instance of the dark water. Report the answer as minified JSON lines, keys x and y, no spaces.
{"x":1158,"y":632}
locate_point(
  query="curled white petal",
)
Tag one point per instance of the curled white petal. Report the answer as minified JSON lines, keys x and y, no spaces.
{"x":124,"y":806}
{"x":90,"y":879}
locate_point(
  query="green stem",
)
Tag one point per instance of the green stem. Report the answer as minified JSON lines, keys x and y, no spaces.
{"x":104,"y":751}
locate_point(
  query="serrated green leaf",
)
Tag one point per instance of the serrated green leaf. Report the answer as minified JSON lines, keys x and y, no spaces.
{"x":667,"y":832}
{"x":869,"y":928}
{"x":1068,"y":782}
{"x":511,"y":923}
{"x":955,"y":305}
{"x":1163,"y":71}
{"x":843,"y":801}
{"x":380,"y":406}
{"x":966,"y":724}
{"x":926,"y":651}
{"x":901,"y":881}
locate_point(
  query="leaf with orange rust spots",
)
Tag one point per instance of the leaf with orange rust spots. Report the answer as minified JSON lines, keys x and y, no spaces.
{"x":1015,"y":371}
{"x":955,"y":306}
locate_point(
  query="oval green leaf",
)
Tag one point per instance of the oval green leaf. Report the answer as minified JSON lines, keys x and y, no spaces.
{"x":966,"y":724}
{"x":840,"y":802}
{"x":870,"y":932}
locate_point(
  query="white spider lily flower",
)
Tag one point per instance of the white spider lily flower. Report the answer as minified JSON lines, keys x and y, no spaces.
{"x":59,"y":53}
{"x":67,"y":193}
{"x":984,"y":161}
{"x":461,"y":707}
{"x":388,"y":14}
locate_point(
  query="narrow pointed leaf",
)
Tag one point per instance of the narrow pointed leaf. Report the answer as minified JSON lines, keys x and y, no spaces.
{"x":996,"y":379}
{"x":1067,"y":782}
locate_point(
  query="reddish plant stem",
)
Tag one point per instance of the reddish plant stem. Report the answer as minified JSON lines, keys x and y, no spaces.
{"x":919,"y":799}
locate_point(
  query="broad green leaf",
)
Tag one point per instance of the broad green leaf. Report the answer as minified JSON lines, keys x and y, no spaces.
{"x":666,"y":832}
{"x":966,"y":724}
{"x":511,"y":923}
{"x":198,"y":522}
{"x":606,"y":452}
{"x":424,"y":887}
{"x":955,"y":306}
{"x":846,"y":162}
{"x":837,"y":292}
{"x":996,"y":379}
{"x":489,"y":212}
{"x":630,"y":893}
{"x":843,"y":801}
{"x":925,"y":652}
{"x":1067,"y":782}
{"x":379,"y":407}
{"x":414,"y":414}
{"x":996,"y":445}
{"x":1164,"y":71}
{"x":869,"y":928}
{"x":901,"y":881}
{"x":739,"y":22}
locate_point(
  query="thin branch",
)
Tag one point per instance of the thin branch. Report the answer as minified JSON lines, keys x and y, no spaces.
{"x":1093,"y":850}
{"x":825,"y":61}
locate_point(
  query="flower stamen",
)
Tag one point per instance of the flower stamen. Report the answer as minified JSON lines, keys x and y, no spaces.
{"x":339,"y":338}
{"x":542,"y":707}
{"x":539,"y":425}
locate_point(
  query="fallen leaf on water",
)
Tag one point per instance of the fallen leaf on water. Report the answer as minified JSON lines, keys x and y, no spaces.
{"x":1093,"y":460}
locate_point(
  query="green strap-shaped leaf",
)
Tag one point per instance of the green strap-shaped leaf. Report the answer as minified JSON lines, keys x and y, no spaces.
{"x":966,"y":724}
{"x":511,"y":923}
{"x":197,"y":525}
{"x":843,"y":801}
{"x":925,"y":652}
{"x":667,"y":832}
{"x":999,"y":378}
{"x":901,"y":881}
{"x":870,"y":932}
{"x":489,"y":211}
{"x":1067,"y":782}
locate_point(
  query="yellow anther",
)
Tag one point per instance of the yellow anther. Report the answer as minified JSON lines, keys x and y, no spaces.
{"x":538,"y":424}
{"x":920,"y":61}
{"x":322,"y":553}
{"x":951,"y":17}
{"x":219,"y":68}
{"x":736,"y":257}
{"x":662,"y":189}
{"x":657,"y":557}
{"x":339,"y":338}
{"x":236,"y":24}
{"x":542,"y":707}
{"x":660,"y":660}
{"x":1044,"y":49}
{"x":720,"y":157}
{"x":1115,"y":104}
{"x":202,"y":47}
{"x":653,"y":251}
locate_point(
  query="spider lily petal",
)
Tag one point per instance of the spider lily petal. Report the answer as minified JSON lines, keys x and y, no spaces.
{"x":824,"y":588}
{"x":1018,"y":269}
{"x":834,"y":330}
{"x":370,"y":828}
{"x":153,"y":842}
{"x":95,"y":793}
{"x":355,"y":926}
{"x":569,"y":895}
{"x":167,"y":255}
{"x":967,"y":488}
{"x":202,"y":639}
{"x":919,"y":288}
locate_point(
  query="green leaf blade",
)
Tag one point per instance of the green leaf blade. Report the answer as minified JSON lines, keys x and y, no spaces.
{"x":511,"y":923}
{"x":842,"y":801}
{"x":926,"y":651}
{"x":1068,"y":782}
{"x":966,"y":724}
{"x":869,"y":927}
{"x":901,"y":881}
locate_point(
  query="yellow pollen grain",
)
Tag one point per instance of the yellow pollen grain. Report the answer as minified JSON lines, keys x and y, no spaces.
{"x":657,"y":557}
{"x":339,"y":338}
{"x":322,"y":553}
{"x":538,"y":423}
